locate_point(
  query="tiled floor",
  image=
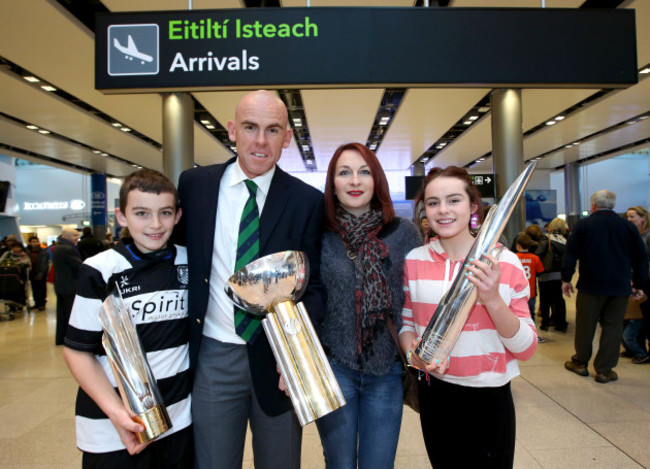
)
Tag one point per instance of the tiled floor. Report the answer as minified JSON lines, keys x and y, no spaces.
{"x":563,"y":420}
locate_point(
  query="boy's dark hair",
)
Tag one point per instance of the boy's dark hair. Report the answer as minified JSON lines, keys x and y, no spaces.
{"x":32,"y":237}
{"x":524,"y":240}
{"x":147,"y":180}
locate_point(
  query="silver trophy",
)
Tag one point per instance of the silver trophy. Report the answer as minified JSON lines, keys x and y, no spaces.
{"x":451,"y":314}
{"x":133,"y":374}
{"x":270,"y":286}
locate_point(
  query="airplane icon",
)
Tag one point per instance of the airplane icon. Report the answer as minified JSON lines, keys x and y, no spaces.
{"x":131,"y":51}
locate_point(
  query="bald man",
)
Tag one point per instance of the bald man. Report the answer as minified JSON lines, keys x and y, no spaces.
{"x":66,"y":262}
{"x":236,"y":381}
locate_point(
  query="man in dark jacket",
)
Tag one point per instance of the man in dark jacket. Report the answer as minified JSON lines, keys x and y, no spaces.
{"x":611,"y":253}
{"x":66,"y":262}
{"x":89,"y":245}
{"x":38,"y":273}
{"x":235,"y":377}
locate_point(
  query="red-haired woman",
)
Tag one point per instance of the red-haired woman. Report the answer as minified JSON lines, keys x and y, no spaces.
{"x":362,"y":270}
{"x":467,"y":412}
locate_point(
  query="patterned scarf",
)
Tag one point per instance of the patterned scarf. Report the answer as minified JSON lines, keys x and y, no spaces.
{"x":372,"y":295}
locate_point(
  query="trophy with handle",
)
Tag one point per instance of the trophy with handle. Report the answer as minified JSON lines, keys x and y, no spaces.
{"x":450,"y":316}
{"x":133,"y":374}
{"x":270,"y":286}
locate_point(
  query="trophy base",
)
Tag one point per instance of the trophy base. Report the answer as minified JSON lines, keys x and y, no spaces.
{"x":155,"y":421}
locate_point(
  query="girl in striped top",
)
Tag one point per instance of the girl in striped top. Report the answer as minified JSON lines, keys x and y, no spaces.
{"x":466,"y":408}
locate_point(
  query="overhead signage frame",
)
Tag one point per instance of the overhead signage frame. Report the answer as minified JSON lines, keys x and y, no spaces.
{"x":324,"y":47}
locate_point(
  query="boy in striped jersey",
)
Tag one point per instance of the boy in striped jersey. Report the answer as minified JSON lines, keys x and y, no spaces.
{"x":152,"y":277}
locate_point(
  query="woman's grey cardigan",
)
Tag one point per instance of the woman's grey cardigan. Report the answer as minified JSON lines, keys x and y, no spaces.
{"x":338,"y":334}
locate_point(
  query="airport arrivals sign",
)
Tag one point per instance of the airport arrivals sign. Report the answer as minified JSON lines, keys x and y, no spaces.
{"x":330,"y":47}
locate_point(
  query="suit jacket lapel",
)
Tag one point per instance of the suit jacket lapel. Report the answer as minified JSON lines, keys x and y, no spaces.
{"x":277,"y":198}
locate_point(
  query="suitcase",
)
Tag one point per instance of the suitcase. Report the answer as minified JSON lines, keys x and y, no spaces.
{"x":13,"y":283}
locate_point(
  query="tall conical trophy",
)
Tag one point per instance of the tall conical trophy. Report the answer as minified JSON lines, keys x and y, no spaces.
{"x":133,"y":374}
{"x":270,"y":286}
{"x":451,"y":314}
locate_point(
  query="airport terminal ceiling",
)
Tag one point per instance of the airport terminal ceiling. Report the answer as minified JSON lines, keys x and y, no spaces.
{"x":80,"y":128}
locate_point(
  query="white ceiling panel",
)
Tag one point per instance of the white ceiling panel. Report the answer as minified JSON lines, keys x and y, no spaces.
{"x":207,"y":149}
{"x":423,"y":117}
{"x":473,"y":143}
{"x":540,"y":105}
{"x":617,"y":107}
{"x":20,"y":137}
{"x":517,"y":3}
{"x":52,"y":113}
{"x":642,"y":9}
{"x":347,"y":3}
{"x":339,"y":116}
{"x":621,"y":137}
{"x":41,"y":37}
{"x":148,"y":5}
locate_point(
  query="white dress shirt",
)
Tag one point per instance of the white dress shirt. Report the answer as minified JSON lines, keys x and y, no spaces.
{"x":233,"y":194}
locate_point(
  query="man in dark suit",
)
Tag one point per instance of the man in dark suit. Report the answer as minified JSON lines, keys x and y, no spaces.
{"x":237,"y":381}
{"x":611,"y":254}
{"x":66,"y":262}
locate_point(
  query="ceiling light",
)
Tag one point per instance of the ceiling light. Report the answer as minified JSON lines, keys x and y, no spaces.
{"x":551,"y":123}
{"x":559,"y":118}
{"x":467,"y":123}
{"x":104,"y":154}
{"x":568,"y":146}
{"x":134,"y":165}
{"x":116,"y":124}
{"x":642,"y":118}
{"x":297,"y":121}
{"x":305,"y":148}
{"x":645,"y":70}
{"x":483,"y":109}
{"x":210,"y":127}
{"x":125,"y":129}
{"x":473,"y":118}
{"x":384,"y":117}
{"x":32,"y":127}
{"x":233,"y":147}
{"x":205,"y":121}
{"x":373,"y":146}
{"x":632,"y":122}
{"x":43,"y":131}
{"x":96,"y":152}
{"x":31,"y":79}
{"x":48,"y":88}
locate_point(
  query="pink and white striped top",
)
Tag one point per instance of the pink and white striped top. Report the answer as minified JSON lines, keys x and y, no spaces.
{"x":481,"y":357}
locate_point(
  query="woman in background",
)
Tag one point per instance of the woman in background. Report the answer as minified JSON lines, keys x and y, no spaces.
{"x":552,"y":307}
{"x":640,"y":218}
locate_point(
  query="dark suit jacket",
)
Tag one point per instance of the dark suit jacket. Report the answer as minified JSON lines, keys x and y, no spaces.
{"x":610,"y":251}
{"x":292,"y":219}
{"x":66,"y":262}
